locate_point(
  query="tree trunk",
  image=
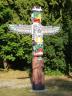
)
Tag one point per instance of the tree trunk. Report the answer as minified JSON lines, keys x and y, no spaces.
{"x":5,"y":64}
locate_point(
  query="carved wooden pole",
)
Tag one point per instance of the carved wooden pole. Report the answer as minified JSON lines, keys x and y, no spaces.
{"x":37,"y":40}
{"x":37,"y":31}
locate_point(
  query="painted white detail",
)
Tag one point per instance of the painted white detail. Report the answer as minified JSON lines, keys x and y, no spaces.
{"x":22,"y":29}
{"x":35,"y":8}
{"x":50,"y":30}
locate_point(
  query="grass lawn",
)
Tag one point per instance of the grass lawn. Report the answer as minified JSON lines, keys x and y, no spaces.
{"x":55,"y":86}
{"x":13,"y":74}
{"x":50,"y":91}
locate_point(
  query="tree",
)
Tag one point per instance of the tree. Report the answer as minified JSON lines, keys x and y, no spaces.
{"x":67,"y":27}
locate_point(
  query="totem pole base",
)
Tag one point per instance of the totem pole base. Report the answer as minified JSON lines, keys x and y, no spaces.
{"x":38,"y":87}
{"x":37,"y":73}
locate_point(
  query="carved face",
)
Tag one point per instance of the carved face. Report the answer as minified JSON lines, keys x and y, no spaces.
{"x":36,"y":17}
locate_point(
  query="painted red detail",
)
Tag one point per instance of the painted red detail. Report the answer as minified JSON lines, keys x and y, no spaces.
{"x":40,"y":50}
{"x":36,"y":20}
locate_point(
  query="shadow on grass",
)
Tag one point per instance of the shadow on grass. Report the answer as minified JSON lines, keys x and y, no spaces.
{"x":60,"y":84}
{"x":56,"y":87}
{"x":23,"y":77}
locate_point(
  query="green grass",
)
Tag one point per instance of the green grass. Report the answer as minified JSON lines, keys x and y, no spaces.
{"x":28,"y":92}
{"x":13,"y":74}
{"x":54,"y":87}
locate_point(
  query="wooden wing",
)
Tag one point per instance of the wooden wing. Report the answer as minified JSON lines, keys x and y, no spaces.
{"x":50,"y":30}
{"x":22,"y":29}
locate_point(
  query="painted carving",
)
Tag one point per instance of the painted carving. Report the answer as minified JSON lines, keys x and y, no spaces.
{"x":37,"y":31}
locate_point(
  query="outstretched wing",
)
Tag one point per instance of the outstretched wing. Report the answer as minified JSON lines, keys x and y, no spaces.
{"x":50,"y":30}
{"x":22,"y":29}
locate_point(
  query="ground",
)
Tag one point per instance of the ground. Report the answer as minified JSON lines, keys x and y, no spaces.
{"x":17,"y":83}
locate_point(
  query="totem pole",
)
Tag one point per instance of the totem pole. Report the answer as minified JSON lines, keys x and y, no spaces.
{"x":37,"y":31}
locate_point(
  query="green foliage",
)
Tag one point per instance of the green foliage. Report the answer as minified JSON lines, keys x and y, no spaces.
{"x":53,"y":53}
{"x":50,"y":72}
{"x":5,"y":13}
{"x":67,"y":27}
